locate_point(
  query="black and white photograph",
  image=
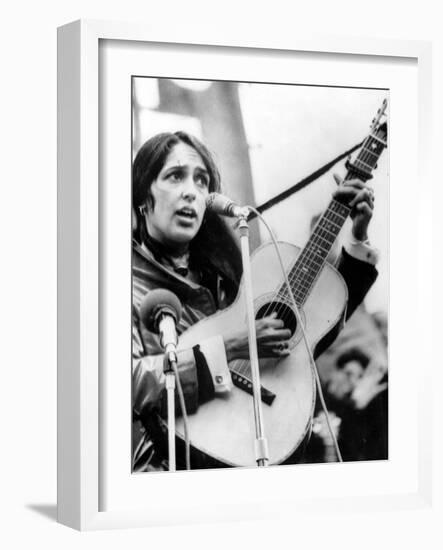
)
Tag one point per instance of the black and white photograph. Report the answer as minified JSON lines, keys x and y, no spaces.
{"x":221,"y":275}
{"x":260,"y":274}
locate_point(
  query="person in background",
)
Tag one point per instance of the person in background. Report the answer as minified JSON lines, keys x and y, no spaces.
{"x":357,"y":393}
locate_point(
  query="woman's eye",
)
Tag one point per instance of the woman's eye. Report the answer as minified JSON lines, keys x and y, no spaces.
{"x":202,"y":180}
{"x":175,"y":176}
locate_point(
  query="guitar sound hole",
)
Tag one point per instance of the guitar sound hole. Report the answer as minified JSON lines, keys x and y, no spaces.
{"x":284,"y":312}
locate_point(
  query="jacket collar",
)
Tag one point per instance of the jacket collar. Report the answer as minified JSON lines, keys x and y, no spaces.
{"x":149,"y":257}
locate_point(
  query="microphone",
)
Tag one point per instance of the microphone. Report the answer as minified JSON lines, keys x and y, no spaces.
{"x":160,"y":311}
{"x":225,"y":206}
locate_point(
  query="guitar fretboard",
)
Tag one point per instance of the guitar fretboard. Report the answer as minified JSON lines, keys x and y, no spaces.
{"x":309,"y":264}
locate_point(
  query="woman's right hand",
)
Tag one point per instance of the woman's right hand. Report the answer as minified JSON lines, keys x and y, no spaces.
{"x":272,"y":340}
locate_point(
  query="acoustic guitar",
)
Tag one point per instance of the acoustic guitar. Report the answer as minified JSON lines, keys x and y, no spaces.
{"x":222,"y":431}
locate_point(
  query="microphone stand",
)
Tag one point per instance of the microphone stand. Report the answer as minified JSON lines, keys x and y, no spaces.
{"x":261,"y":443}
{"x":170,"y":391}
{"x":160,"y":310}
{"x":169,"y":369}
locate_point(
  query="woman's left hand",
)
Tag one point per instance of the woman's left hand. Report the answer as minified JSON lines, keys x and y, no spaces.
{"x":360,"y":198}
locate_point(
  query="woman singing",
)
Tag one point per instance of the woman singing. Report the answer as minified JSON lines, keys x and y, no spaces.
{"x":180,"y":246}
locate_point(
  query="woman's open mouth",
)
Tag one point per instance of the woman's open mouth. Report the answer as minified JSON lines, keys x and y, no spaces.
{"x":187,"y":214}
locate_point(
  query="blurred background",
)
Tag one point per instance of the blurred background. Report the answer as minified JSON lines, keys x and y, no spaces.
{"x":265,"y":139}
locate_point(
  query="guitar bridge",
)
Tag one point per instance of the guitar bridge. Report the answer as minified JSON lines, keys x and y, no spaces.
{"x":245,"y":384}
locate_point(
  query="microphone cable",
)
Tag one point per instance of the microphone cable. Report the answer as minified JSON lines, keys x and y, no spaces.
{"x":305,"y":338}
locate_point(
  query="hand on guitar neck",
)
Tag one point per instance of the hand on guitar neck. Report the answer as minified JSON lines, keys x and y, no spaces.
{"x":360,"y":198}
{"x":272,"y":339}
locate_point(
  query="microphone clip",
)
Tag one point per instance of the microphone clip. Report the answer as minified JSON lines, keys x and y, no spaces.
{"x":242,"y":217}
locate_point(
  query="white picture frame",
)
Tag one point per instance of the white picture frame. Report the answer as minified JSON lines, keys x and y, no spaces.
{"x":79,"y":411}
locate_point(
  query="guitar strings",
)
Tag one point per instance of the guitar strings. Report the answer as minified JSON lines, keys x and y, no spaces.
{"x":243,"y":366}
{"x":308,"y":348}
{"x":298,"y":274}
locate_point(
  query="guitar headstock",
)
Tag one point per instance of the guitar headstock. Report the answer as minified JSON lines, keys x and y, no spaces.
{"x":380,"y":114}
{"x":378,"y":128}
{"x":372,"y":148}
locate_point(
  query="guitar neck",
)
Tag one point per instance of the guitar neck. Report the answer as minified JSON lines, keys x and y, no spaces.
{"x":309,"y":264}
{"x":312,"y":259}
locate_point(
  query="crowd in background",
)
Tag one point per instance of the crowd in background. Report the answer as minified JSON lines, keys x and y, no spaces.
{"x":354,"y":374}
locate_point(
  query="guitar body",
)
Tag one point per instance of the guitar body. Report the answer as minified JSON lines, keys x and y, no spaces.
{"x":223,"y":429}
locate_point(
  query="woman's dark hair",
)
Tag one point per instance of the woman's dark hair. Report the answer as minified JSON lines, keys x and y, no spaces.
{"x":151,"y":158}
{"x":214,"y":246}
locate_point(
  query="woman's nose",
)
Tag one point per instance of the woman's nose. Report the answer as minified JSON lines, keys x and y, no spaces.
{"x":189,"y":191}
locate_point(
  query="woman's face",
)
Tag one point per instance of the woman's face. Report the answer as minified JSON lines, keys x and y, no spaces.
{"x":179,"y":193}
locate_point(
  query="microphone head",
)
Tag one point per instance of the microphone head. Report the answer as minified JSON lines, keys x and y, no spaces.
{"x":157,"y":303}
{"x":215,"y":202}
{"x":218,"y":203}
